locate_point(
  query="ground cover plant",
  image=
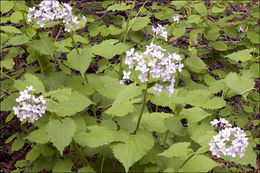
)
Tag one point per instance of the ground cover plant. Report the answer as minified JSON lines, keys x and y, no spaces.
{"x":129,"y":86}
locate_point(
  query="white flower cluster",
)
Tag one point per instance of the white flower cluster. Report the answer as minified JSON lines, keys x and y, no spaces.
{"x":29,"y":105}
{"x":221,"y":123}
{"x":51,"y":10}
{"x":154,"y":62}
{"x":160,"y":30}
{"x":176,"y":18}
{"x":240,"y":30}
{"x":229,"y":141}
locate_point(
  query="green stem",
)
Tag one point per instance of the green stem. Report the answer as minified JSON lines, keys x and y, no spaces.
{"x":124,"y":40}
{"x":187,"y":160}
{"x":7,"y":76}
{"x":102,"y":164}
{"x":156,"y":108}
{"x":73,"y":41}
{"x":80,"y":153}
{"x":40,"y":64}
{"x":165,"y":138}
{"x":177,"y":79}
{"x":94,"y":111}
{"x":57,"y":116}
{"x":86,"y":79}
{"x":142,"y":110}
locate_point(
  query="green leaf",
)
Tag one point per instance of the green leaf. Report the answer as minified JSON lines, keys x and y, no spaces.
{"x":138,"y":23}
{"x":106,"y":86}
{"x":203,"y":99}
{"x":123,"y":104}
{"x":239,"y":83}
{"x":175,"y":126}
{"x":201,"y":9}
{"x":7,"y":63}
{"x":86,"y":169}
{"x":253,"y":37}
{"x":17,"y":144}
{"x":33,"y":154}
{"x":216,"y":9}
{"x":61,"y":134}
{"x":242,"y":55}
{"x":80,"y":61}
{"x":18,"y":40}
{"x":134,"y":148}
{"x":119,"y":7}
{"x":199,"y":163}
{"x":30,"y":80}
{"x":213,"y":33}
{"x":178,"y":4}
{"x":10,"y":29}
{"x":16,"y":17}
{"x":6,"y":6}
{"x":179,"y":31}
{"x":218,"y":45}
{"x":46,"y":151}
{"x":179,"y":149}
{"x":76,"y":103}
{"x":39,"y":136}
{"x":194,"y":114}
{"x":155,"y":121}
{"x":44,"y":46}
{"x":98,"y":136}
{"x":8,"y":103}
{"x":63,"y":166}
{"x":196,"y":64}
{"x":109,"y":48}
{"x":79,"y":38}
{"x":194,"y":19}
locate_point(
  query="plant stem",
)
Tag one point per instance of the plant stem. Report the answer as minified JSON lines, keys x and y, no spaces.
{"x":124,"y":40}
{"x":40,"y":64}
{"x":73,"y":41}
{"x":57,"y":116}
{"x":142,"y":110}
{"x":80,"y":153}
{"x":86,"y":79}
{"x":187,"y":160}
{"x":7,"y":76}
{"x":156,"y":108}
{"x":94,"y":111}
{"x":102,"y":164}
{"x":165,"y":138}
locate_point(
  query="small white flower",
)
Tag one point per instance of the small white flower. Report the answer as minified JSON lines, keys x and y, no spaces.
{"x":176,"y":18}
{"x":126,"y":75}
{"x":241,"y":30}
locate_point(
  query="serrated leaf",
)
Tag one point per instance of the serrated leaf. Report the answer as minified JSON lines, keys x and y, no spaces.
{"x":80,"y":61}
{"x":7,"y":63}
{"x":203,"y":99}
{"x":18,"y":40}
{"x":39,"y":136}
{"x":123,"y":104}
{"x":76,"y":103}
{"x":134,"y":148}
{"x":6,"y":6}
{"x":33,"y":154}
{"x":98,"y":136}
{"x":175,"y":126}
{"x":239,"y":83}
{"x":109,"y":48}
{"x":203,"y":164}
{"x":243,"y":55}
{"x":194,"y":114}
{"x":44,"y":46}
{"x":201,"y":9}
{"x":179,"y":149}
{"x":194,"y":19}
{"x":10,"y":29}
{"x":61,"y":134}
{"x":17,"y":144}
{"x":86,"y":169}
{"x":139,"y":23}
{"x":30,"y":80}
{"x":63,"y":166}
{"x":106,"y":85}
{"x":218,"y":45}
{"x":179,"y":31}
{"x":253,"y":37}
{"x":119,"y":7}
{"x":16,"y":17}
{"x":8,"y":103}
{"x":155,"y":121}
{"x":196,"y":64}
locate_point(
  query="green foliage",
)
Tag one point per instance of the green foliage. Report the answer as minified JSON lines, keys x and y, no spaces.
{"x":133,"y":148}
{"x":91,"y":117}
{"x":61,"y":133}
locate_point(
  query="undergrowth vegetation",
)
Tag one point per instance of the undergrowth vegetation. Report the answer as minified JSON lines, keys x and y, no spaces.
{"x":135,"y":86}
